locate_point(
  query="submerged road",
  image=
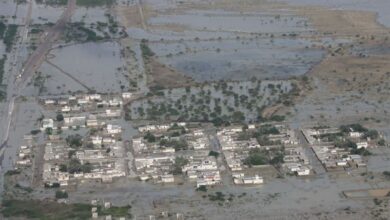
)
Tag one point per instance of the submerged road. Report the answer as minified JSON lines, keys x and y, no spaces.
{"x":33,"y":62}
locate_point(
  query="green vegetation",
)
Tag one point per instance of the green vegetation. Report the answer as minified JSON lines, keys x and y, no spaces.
{"x":116,"y":212}
{"x":218,"y":196}
{"x":256,"y":157}
{"x":60,"y":117}
{"x":74,"y":141}
{"x":78,"y":32}
{"x":26,"y":189}
{"x":75,"y":166}
{"x":95,"y":3}
{"x":49,"y":131}
{"x":381,"y":142}
{"x":34,"y":132}
{"x":61,"y":194}
{"x":177,"y":144}
{"x":33,"y":209}
{"x":3,"y":27}
{"x":261,"y":135}
{"x":146,"y":51}
{"x":201,"y":189}
{"x":221,"y":103}
{"x":352,"y":147}
{"x":386,"y":174}
{"x":52,"y":2}
{"x":2,"y":62}
{"x":213,"y":154}
{"x":354,"y":127}
{"x":150,"y":137}
{"x":12,"y":172}
{"x":9,"y":36}
{"x":261,"y":157}
{"x":179,"y":163}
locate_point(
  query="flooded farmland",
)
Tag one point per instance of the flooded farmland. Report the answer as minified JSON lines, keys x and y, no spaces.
{"x":98,"y":61}
{"x":239,"y":59}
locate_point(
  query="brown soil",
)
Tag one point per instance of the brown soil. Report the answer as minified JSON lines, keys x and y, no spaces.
{"x":341,"y":22}
{"x":161,"y":75}
{"x":129,"y":16}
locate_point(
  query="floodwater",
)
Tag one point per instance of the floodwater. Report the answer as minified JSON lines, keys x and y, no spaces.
{"x":381,"y":7}
{"x":42,"y":14}
{"x":278,"y":197}
{"x":235,"y":22}
{"x":90,"y":15}
{"x":25,"y":120}
{"x":93,"y":64}
{"x":9,"y":8}
{"x":239,"y":59}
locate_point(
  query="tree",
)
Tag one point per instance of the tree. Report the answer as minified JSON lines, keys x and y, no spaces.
{"x":63,"y":168}
{"x":60,"y":117}
{"x":150,"y":137}
{"x":74,"y":141}
{"x":61,"y":194}
{"x":381,"y":142}
{"x":213,"y":154}
{"x":49,"y":131}
{"x":238,"y":116}
{"x":177,"y":166}
{"x":256,"y":157}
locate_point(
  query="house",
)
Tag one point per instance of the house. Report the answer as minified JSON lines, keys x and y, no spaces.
{"x":355,"y":134}
{"x":114,"y":129}
{"x":95,"y":97}
{"x":113,"y":113}
{"x":65,"y":109}
{"x":107,"y":205}
{"x":341,"y":163}
{"x":253,"y":180}
{"x":127,"y":95}
{"x":96,"y":140}
{"x":47,"y":123}
{"x":168,"y":178}
{"x":363,"y":144}
{"x":303,"y":171}
{"x":92,"y":121}
{"x":49,"y":102}
{"x":115,"y":102}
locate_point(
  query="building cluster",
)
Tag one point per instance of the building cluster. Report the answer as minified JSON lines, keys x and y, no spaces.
{"x":87,"y":110}
{"x":99,"y":153}
{"x":296,"y":161}
{"x":173,"y":151}
{"x":334,"y":157}
{"x":25,"y":154}
{"x":237,"y":145}
{"x":236,"y":151}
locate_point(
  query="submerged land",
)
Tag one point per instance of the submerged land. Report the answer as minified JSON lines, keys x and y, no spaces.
{"x":201,"y":109}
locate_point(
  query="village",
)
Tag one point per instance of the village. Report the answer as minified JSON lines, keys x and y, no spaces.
{"x":85,"y":139}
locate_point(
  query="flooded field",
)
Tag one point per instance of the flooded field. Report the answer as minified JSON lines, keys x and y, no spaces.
{"x":290,"y":198}
{"x":9,"y":8}
{"x":42,"y":14}
{"x":90,"y":15}
{"x":275,"y":22}
{"x":239,"y":59}
{"x":100,"y":62}
{"x":380,"y":7}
